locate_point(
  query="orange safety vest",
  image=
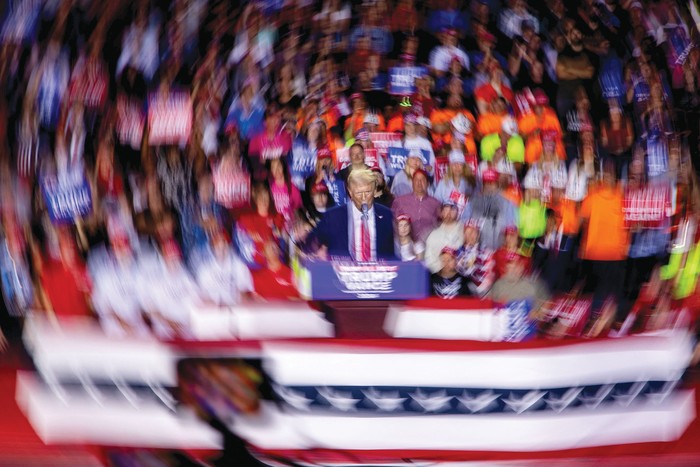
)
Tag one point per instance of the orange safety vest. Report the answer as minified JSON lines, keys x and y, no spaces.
{"x":395,"y":124}
{"x":442,"y":116}
{"x":529,"y":123}
{"x":490,"y":123}
{"x":513,"y":194}
{"x":567,"y":216}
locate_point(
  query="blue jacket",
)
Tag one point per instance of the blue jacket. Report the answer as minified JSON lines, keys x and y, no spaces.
{"x":333,"y":232}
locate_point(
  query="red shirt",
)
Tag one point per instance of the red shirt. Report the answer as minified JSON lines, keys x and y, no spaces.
{"x":261,"y":230}
{"x":486,"y":92}
{"x":66,"y":288}
{"x":264,"y":226}
{"x":501,"y":258}
{"x":275,"y":285}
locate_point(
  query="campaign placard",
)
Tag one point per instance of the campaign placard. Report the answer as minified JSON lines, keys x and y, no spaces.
{"x":396,"y":160}
{"x":302,"y":164}
{"x":402,"y":79}
{"x":130,"y":122}
{"x":516,"y":322}
{"x":90,"y":84}
{"x":372,"y":158}
{"x":231,"y":188}
{"x":442,"y":163}
{"x":68,"y":198}
{"x":567,"y":316}
{"x":648,"y":206}
{"x":342,"y":158}
{"x":169,"y":118}
{"x":382,"y":141}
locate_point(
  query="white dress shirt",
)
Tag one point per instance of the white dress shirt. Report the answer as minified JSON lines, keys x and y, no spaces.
{"x":356,"y":236}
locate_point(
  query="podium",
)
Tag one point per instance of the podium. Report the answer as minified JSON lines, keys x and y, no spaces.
{"x":349,"y":280}
{"x":356,"y":295}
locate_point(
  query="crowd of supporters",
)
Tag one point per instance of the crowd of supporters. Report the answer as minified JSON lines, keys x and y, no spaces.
{"x":157,"y":156}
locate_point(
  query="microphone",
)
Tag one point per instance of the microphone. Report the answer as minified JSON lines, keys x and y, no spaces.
{"x":365,"y":211}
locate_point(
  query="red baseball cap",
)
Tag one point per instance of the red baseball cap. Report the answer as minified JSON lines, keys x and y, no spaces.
{"x":489,"y":176}
{"x":450,"y":31}
{"x":324,"y":153}
{"x":549,"y":136}
{"x":319,"y":187}
{"x":449,"y":251}
{"x":485,"y":35}
{"x":510,"y":229}
{"x":540,"y":97}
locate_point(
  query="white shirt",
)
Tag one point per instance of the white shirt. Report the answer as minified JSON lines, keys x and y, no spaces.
{"x":356,"y":238}
{"x":556,"y":171}
{"x":441,"y":57}
{"x":174,"y":296}
{"x":577,"y":183}
{"x":115,"y":298}
{"x":511,"y":23}
{"x":223,"y":280}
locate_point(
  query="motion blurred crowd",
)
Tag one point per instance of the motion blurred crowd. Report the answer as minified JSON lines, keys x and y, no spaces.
{"x":159,"y":156}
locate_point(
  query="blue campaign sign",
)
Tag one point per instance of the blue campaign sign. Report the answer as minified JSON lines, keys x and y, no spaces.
{"x":246,"y":248}
{"x":68,"y":199}
{"x":402,"y":79}
{"x":396,"y":160}
{"x":302,"y":163}
{"x":336,"y":188}
{"x":519,"y":325}
{"x":347,"y":280}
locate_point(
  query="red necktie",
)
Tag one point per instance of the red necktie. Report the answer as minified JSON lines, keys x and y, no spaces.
{"x":365,"y":245}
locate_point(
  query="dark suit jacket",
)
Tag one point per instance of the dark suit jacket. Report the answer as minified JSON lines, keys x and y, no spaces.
{"x":333,"y":232}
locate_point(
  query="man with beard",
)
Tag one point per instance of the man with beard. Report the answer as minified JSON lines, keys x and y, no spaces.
{"x":447,"y":235}
{"x":575,"y":67}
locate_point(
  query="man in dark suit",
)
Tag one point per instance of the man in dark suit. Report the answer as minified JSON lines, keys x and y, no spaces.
{"x":362,"y":230}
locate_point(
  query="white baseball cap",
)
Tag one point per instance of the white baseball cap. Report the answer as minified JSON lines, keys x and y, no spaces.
{"x":461,"y":123}
{"x":456,"y":157}
{"x":510,"y":126}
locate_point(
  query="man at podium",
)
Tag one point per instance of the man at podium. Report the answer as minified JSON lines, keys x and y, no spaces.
{"x":360,"y":230}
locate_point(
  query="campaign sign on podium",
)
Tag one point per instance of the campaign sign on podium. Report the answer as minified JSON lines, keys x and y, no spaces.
{"x":348,"y":280}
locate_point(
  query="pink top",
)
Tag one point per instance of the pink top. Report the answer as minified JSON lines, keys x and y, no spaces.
{"x":286,"y":201}
{"x":263,"y":148}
